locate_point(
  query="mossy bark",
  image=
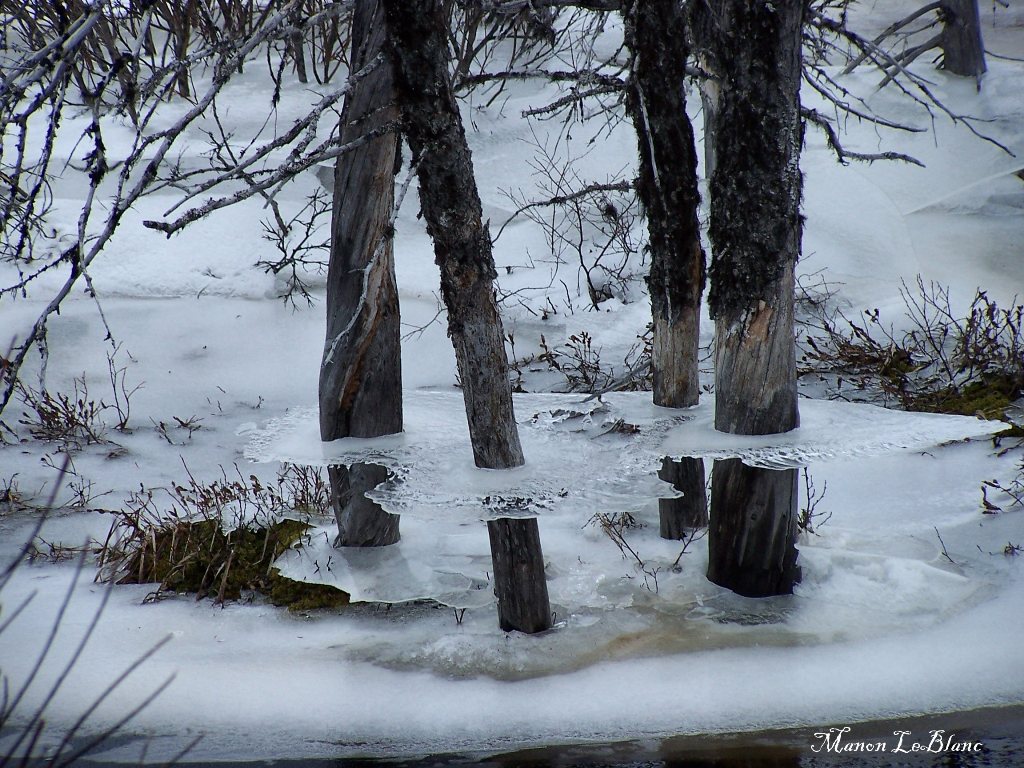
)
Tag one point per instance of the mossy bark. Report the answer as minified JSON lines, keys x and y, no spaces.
{"x":755,"y":234}
{"x":667,"y":186}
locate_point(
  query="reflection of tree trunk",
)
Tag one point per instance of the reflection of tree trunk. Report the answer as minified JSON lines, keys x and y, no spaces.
{"x":361,"y":374}
{"x":361,"y":522}
{"x":752,"y":533}
{"x":519,"y":575}
{"x":963,"y":50}
{"x":450,"y":204}
{"x":680,"y":516}
{"x":755,"y":233}
{"x":667,"y":185}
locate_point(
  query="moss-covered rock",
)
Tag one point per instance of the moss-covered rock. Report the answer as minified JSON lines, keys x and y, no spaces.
{"x":198,"y":556}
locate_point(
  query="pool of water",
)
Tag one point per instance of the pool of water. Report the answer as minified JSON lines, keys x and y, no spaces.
{"x":992,"y":737}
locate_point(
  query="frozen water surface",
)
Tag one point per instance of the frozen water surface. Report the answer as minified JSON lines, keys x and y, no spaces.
{"x":566,"y":438}
{"x":585,"y":457}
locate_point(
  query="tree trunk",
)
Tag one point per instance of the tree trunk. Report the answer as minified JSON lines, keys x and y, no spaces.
{"x":709,"y":104}
{"x":679,"y":516}
{"x":361,"y":521}
{"x":450,"y":203}
{"x":751,"y":535}
{"x":667,"y":185}
{"x":295,"y":42}
{"x":755,"y":235}
{"x":519,"y":575}
{"x":361,"y":373}
{"x":963,"y":50}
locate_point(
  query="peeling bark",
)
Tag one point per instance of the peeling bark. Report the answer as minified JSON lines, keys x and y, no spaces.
{"x":361,"y":375}
{"x":450,"y":204}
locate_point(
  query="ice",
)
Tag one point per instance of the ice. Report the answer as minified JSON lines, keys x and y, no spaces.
{"x":565,"y":437}
{"x":429,"y":563}
{"x":586,"y":456}
{"x":883,"y":623}
{"x":829,"y":430}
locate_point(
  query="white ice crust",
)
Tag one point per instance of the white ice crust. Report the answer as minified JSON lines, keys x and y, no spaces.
{"x":566,"y":436}
{"x":583,"y":457}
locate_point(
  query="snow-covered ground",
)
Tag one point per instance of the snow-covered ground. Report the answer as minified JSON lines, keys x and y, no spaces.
{"x":889,"y":620}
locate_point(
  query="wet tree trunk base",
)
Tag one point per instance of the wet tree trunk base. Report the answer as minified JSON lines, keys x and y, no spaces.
{"x":361,"y":521}
{"x":679,"y":517}
{"x":519,"y":580}
{"x":752,"y":537}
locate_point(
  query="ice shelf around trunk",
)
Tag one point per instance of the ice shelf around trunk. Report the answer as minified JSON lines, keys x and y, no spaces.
{"x":584,"y":456}
{"x":567,"y":437}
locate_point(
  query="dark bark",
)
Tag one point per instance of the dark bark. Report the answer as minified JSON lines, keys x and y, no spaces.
{"x":519,"y":575}
{"x":678,"y":517}
{"x":361,"y":521}
{"x":361,"y":373}
{"x":451,"y":209}
{"x":755,"y":235}
{"x":450,"y":204}
{"x":963,"y":50}
{"x":752,"y":550}
{"x":667,"y":186}
{"x":295,"y":42}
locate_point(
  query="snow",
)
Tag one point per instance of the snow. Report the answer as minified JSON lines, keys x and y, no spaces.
{"x":883,"y":623}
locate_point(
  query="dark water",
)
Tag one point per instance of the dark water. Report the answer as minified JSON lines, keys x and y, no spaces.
{"x":986,"y":737}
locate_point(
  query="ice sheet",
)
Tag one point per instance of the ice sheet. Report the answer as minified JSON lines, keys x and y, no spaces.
{"x":829,"y":430}
{"x":565,"y":436}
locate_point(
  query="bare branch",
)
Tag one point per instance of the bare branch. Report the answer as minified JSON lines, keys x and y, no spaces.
{"x":843,"y":154}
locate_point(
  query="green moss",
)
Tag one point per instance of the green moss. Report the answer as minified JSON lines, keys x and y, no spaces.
{"x":989,"y":398}
{"x":303,"y":596}
{"x":199,"y":557}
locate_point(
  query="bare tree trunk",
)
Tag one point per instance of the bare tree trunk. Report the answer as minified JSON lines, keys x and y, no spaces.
{"x":752,"y":535}
{"x":963,"y":50}
{"x":450,"y":203}
{"x":678,"y":517}
{"x":295,"y":42}
{"x":361,"y":373}
{"x":361,"y":521}
{"x":755,"y":234}
{"x":656,"y":101}
{"x":709,"y":104}
{"x":519,"y":583}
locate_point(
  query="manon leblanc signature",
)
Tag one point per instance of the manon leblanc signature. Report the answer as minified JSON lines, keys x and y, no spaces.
{"x":902,"y":742}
